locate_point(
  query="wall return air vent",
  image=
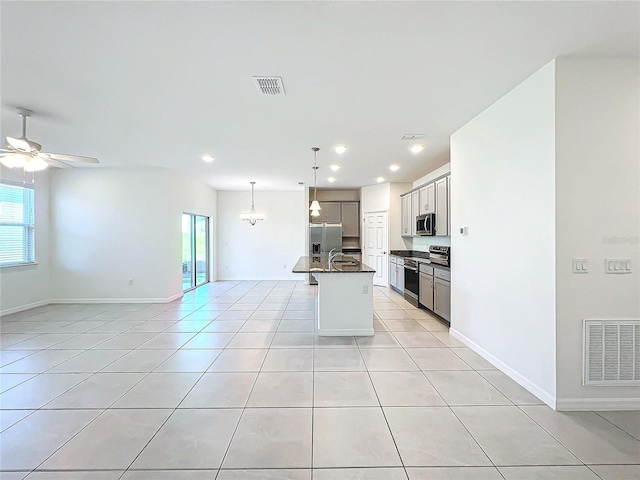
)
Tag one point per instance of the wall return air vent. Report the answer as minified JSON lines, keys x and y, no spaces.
{"x":269,"y":85}
{"x":611,"y":352}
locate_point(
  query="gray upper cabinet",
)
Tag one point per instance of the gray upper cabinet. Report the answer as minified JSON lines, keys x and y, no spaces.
{"x":330,"y":212}
{"x":350,"y":219}
{"x":427,"y":199}
{"x":405,"y":203}
{"x":434,"y":197}
{"x":442,"y":207}
{"x":415,"y":207}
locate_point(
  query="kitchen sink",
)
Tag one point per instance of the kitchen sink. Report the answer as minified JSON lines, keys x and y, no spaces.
{"x":345,"y":262}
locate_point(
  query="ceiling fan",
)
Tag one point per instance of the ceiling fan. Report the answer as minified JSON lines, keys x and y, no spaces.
{"x":26,"y":154}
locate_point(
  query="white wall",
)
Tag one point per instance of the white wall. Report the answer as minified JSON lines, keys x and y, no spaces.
{"x":112,"y":225}
{"x":598,"y":201}
{"x":26,"y":286}
{"x":503,"y":301}
{"x":269,"y":249}
{"x":438,"y":172}
{"x":375,"y":198}
{"x":188,"y":196}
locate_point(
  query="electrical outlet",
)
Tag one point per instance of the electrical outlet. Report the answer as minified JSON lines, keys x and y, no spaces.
{"x":131,"y":281}
{"x":365,"y":289}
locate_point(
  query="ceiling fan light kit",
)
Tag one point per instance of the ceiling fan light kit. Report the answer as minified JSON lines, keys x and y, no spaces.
{"x":26,"y":154}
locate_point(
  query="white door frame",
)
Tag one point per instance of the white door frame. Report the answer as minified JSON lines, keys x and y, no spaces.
{"x":364,"y":214}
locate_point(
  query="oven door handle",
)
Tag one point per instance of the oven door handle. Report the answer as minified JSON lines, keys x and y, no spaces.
{"x":410,"y":268}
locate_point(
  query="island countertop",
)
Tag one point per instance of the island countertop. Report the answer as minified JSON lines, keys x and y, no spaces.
{"x":305,"y":265}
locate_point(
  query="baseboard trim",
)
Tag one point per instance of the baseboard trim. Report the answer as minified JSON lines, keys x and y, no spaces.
{"x":608,"y":404}
{"x":534,"y":389}
{"x":65,"y":301}
{"x":260,"y":279}
{"x":22,"y":308}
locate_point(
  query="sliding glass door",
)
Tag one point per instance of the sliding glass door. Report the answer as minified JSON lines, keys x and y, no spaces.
{"x":195,"y":250}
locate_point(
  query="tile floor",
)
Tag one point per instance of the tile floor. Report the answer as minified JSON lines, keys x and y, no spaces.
{"x":231,"y":382}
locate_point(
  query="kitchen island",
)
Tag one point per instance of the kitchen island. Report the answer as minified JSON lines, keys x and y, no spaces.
{"x":345,"y":295}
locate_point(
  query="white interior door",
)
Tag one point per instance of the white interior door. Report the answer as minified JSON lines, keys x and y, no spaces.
{"x":376,"y":253}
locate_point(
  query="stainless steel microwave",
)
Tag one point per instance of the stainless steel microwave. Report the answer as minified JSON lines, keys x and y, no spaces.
{"x":426,"y":224}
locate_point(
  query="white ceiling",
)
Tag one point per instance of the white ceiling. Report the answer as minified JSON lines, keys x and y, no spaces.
{"x":162,"y":83}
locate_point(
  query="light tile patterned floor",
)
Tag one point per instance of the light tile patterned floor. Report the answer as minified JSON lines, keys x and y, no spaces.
{"x":231,"y":382}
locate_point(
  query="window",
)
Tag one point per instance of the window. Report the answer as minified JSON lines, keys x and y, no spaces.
{"x":17,"y":224}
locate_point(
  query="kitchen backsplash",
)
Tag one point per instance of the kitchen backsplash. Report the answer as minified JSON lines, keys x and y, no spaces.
{"x":422,"y":243}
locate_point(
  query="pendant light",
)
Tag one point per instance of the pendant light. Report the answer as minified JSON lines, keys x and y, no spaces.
{"x":252,"y":217}
{"x":315,"y":206}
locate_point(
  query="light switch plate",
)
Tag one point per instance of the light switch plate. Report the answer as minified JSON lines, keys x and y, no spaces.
{"x":580,"y":265}
{"x":617,"y":265}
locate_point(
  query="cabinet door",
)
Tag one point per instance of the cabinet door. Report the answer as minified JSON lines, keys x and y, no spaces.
{"x":405,"y":202}
{"x":426,"y":291}
{"x":350,"y":212}
{"x":392,"y":274}
{"x":442,"y":298}
{"x":442,"y":208}
{"x":415,"y":207}
{"x":330,"y":212}
{"x":400,"y":277}
{"x":427,"y":199}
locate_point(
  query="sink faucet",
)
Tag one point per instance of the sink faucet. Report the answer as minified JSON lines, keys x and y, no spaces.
{"x":333,"y":255}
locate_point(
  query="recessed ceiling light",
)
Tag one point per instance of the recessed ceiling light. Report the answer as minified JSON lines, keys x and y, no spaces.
{"x":208,"y":158}
{"x":380,"y":179}
{"x":331,"y":179}
{"x":334,"y":168}
{"x":340,"y":149}
{"x":394,"y":168}
{"x":416,"y":148}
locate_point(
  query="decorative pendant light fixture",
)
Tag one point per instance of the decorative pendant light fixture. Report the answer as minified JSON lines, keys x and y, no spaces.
{"x":315,"y":206}
{"x":252,"y":217}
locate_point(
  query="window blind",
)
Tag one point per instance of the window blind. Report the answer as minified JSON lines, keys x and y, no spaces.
{"x":17,"y":224}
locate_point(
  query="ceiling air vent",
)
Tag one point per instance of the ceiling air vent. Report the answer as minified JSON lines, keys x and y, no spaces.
{"x":269,"y":85}
{"x":412,"y":136}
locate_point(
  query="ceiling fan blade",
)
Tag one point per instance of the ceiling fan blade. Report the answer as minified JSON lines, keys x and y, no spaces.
{"x":24,"y":144}
{"x":53,"y":162}
{"x":70,"y":158}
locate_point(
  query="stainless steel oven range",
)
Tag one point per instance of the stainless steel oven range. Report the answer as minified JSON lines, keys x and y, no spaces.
{"x":411,"y":281}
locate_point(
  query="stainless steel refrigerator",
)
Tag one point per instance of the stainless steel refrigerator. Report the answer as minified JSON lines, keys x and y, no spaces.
{"x":323,"y":237}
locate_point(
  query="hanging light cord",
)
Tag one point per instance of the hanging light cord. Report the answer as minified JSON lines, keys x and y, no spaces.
{"x":253,"y":208}
{"x":315,"y":171}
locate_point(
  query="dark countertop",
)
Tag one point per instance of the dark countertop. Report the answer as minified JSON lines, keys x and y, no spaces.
{"x":409,"y":253}
{"x":304,"y":265}
{"x":418,"y":256}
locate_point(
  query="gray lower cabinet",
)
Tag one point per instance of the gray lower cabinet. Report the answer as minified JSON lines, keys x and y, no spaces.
{"x":426,"y":291}
{"x":442,"y":298}
{"x":396,"y":272}
{"x":393,"y":277}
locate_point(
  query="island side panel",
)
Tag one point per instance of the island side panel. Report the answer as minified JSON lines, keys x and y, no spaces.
{"x":345,"y":304}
